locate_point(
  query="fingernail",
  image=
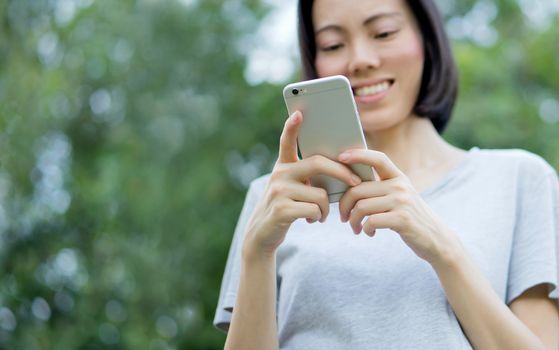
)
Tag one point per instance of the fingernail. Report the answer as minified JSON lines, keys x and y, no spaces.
{"x":355,"y":179}
{"x":344,"y":157}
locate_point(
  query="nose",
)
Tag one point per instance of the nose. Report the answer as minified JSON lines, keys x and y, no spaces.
{"x":364,"y":58}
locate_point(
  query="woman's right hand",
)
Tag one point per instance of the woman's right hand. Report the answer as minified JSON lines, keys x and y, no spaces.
{"x":289,"y":195}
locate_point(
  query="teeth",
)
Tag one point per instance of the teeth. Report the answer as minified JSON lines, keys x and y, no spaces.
{"x":373,"y":89}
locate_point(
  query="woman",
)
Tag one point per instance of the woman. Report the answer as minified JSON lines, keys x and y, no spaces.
{"x":466,"y":247}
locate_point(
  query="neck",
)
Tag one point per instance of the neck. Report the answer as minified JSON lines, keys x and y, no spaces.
{"x":413,"y":145}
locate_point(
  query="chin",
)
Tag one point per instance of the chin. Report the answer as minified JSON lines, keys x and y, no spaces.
{"x":379,"y":121}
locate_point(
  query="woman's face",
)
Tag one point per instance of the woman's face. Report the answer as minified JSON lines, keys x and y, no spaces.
{"x":377,"y":45}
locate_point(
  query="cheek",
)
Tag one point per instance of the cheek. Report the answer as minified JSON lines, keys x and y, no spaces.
{"x":321,"y":67}
{"x":327,"y":66}
{"x":409,"y":61}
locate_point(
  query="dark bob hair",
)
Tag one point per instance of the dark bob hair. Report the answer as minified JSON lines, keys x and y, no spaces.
{"x":439,"y":84}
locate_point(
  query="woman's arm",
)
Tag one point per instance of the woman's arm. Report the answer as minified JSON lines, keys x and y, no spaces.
{"x":539,"y":313}
{"x":485,"y":318}
{"x":253,"y":325}
{"x":393,"y":203}
{"x":287,"y":197}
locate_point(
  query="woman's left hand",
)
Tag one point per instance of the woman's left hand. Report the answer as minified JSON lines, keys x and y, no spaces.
{"x":392,"y":202}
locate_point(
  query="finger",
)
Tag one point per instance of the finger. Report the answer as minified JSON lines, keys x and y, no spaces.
{"x":302,"y":210}
{"x":309,"y":194}
{"x":320,"y":165}
{"x":378,"y":160}
{"x":367,"y":207}
{"x":376,"y":221}
{"x":288,"y":138}
{"x":367,"y":189}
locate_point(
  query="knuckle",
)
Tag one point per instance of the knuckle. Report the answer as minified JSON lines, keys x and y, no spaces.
{"x":350,"y":192}
{"x":281,"y":209}
{"x":279,"y":171}
{"x":379,"y":155}
{"x":317,"y":211}
{"x":322,"y":194}
{"x":359,"y":208}
{"x":275,"y":175}
{"x":313,"y":160}
{"x":383,"y":156}
{"x":403,"y":217}
{"x":399,"y":186}
{"x":401,"y":199}
{"x":277,"y":189}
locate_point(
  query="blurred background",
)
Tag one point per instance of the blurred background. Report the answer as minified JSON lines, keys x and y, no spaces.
{"x":129,"y":131}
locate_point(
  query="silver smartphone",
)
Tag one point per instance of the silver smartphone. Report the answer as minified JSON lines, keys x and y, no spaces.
{"x":331,"y":125}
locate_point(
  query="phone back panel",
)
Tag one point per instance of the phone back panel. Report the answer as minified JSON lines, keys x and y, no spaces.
{"x":330,"y":126}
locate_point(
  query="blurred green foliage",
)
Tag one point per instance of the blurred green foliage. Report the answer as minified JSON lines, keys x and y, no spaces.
{"x":128,"y":135}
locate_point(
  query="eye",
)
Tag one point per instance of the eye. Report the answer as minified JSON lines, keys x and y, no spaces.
{"x":332,"y":47}
{"x":385,"y":35}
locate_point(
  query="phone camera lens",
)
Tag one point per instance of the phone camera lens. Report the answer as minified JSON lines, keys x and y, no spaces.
{"x":295,"y":92}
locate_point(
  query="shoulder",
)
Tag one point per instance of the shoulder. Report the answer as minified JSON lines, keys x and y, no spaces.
{"x":517,"y":161}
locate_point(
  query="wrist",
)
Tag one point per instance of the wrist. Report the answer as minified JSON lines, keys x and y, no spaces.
{"x":451,"y":253}
{"x":253,"y":252}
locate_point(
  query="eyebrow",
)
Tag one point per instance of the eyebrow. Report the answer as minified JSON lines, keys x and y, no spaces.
{"x":366,"y":22}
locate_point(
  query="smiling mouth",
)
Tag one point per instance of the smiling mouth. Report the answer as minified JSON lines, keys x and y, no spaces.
{"x":374,"y":89}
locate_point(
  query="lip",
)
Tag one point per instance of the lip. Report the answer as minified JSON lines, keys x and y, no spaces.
{"x":372,"y":98}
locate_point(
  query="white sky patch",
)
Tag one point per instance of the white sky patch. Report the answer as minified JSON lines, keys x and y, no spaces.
{"x":273,"y":53}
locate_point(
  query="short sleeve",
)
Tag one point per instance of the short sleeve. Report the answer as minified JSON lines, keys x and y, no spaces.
{"x":535,"y":246}
{"x":230,"y":281}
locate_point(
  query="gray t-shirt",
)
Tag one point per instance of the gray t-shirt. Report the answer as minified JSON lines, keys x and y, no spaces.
{"x":341,"y":291}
